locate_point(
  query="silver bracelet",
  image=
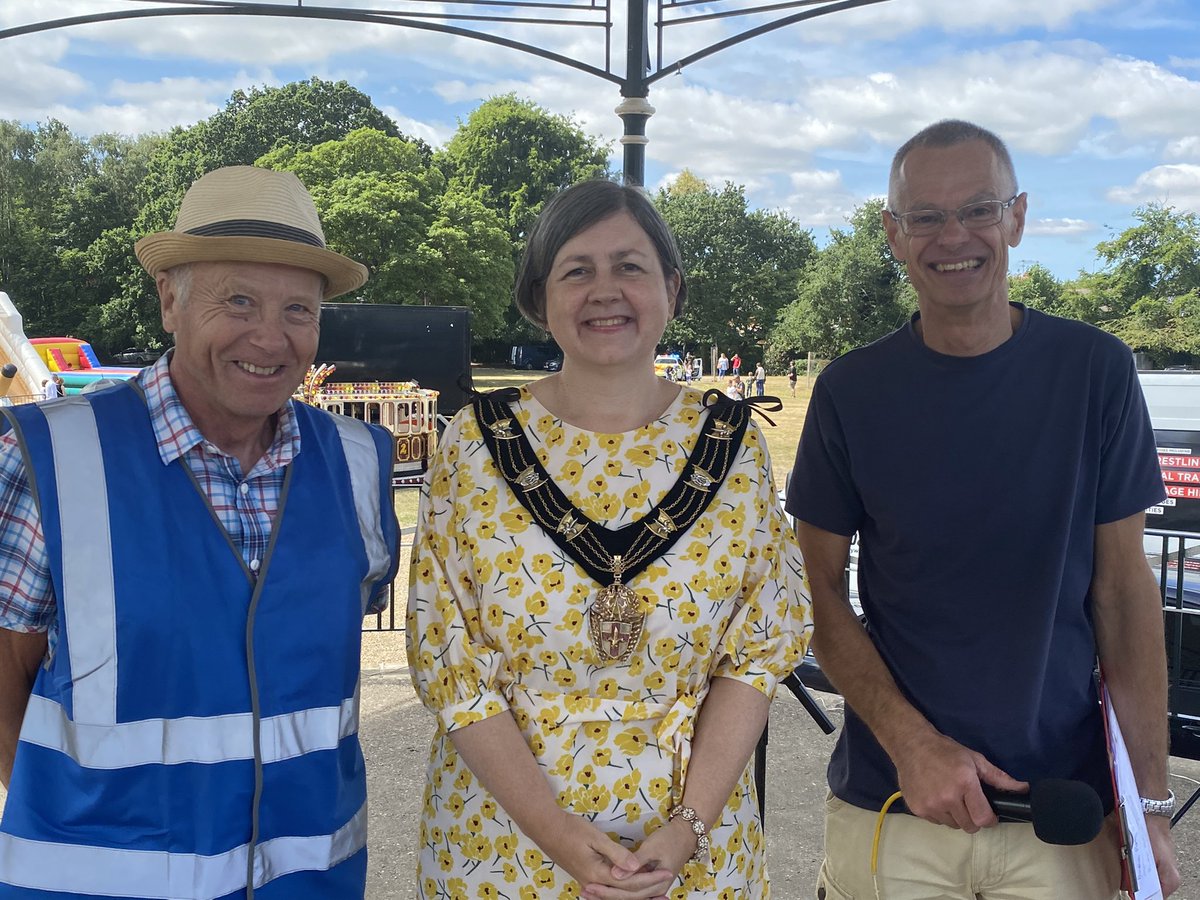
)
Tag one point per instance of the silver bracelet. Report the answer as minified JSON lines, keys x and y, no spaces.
{"x":1159,"y":807}
{"x":689,"y":815}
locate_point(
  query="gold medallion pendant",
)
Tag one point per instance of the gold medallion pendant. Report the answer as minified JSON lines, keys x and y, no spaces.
{"x":616,"y":620}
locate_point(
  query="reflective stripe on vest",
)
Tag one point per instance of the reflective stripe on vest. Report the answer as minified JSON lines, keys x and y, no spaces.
{"x":362,"y":459}
{"x":194,"y":739}
{"x":72,"y":868}
{"x":88,"y":587}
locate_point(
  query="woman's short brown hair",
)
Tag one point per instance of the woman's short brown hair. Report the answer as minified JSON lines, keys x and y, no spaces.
{"x":576,"y":209}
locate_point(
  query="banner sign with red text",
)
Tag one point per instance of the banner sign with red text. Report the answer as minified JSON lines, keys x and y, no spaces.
{"x":1179,"y":459}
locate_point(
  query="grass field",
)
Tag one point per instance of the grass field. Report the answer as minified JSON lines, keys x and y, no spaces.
{"x":781,"y":440}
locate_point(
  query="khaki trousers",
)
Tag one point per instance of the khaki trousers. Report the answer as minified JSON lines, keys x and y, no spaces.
{"x":918,"y":860}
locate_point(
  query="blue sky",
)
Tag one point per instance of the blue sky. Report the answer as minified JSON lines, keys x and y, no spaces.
{"x":1099,"y":100}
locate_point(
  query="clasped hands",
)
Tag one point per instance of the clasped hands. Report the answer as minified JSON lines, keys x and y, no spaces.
{"x":608,"y":870}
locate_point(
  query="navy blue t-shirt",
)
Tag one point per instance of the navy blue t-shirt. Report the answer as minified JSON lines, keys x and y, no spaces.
{"x":976,"y":485}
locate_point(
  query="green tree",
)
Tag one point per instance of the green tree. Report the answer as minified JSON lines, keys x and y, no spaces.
{"x":1166,"y":329}
{"x":292,"y":118}
{"x":1146,"y":294}
{"x":514,"y":156}
{"x":39,"y":168}
{"x":854,"y":293}
{"x":383,"y":204}
{"x":299,"y":115}
{"x":741,"y":265}
{"x":58,"y":193}
{"x":1037,"y":288}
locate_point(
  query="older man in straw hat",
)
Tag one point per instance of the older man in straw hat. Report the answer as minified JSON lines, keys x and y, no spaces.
{"x":187,"y":559}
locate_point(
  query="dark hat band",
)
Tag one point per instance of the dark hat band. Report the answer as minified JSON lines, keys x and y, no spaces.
{"x":256,"y":228}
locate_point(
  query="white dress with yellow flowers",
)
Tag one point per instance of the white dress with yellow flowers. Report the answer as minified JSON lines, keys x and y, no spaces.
{"x":497,"y":622}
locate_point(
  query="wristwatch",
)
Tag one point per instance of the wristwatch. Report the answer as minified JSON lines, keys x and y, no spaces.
{"x":1159,"y":807}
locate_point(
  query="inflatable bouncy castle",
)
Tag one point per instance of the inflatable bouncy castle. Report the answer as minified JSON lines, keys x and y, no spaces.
{"x":76,"y":362}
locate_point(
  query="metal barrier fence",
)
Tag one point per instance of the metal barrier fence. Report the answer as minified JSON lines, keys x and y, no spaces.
{"x":392,"y":618}
{"x":1175,"y":558}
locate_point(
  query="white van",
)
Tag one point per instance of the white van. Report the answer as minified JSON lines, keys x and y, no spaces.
{"x":1172,"y":544}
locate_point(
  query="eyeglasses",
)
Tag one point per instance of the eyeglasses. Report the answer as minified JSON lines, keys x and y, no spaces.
{"x":980,"y":214}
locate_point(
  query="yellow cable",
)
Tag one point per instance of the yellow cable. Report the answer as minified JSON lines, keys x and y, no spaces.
{"x":875,"y":841}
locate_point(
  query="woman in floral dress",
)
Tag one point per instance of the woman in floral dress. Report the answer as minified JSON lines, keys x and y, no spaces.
{"x":604,"y":594}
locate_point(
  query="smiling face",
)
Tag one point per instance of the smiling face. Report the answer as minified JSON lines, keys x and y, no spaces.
{"x":956,"y":268}
{"x":608,"y":300}
{"x":245,"y":334}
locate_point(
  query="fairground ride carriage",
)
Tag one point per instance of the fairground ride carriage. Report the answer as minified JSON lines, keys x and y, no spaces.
{"x":409,"y":412}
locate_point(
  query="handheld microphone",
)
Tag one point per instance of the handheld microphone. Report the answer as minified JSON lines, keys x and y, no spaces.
{"x":1062,"y":811}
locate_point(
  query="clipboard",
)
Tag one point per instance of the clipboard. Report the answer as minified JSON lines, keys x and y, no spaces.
{"x":1139,"y":874}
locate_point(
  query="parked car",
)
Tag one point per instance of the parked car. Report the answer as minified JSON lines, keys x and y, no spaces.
{"x":553,"y":365}
{"x":133,"y":356}
{"x":533,"y":356}
{"x":666,"y":364}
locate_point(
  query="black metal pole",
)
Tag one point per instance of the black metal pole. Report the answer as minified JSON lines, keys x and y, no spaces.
{"x":634,"y":110}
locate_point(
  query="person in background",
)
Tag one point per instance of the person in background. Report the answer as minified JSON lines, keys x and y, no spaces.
{"x":50,"y":389}
{"x":736,"y":389}
{"x":735,"y":364}
{"x":760,"y":380}
{"x":792,"y":376}
{"x":722,"y":367}
{"x":179,"y":641}
{"x":995,"y":463}
{"x":603,"y":597}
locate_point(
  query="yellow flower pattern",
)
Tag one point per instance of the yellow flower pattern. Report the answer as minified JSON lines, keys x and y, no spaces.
{"x":497,"y":625}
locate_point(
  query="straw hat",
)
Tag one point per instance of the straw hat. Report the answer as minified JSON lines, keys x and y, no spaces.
{"x":246,"y":214}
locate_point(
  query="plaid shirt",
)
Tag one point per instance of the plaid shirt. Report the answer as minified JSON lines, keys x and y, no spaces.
{"x":245,"y":506}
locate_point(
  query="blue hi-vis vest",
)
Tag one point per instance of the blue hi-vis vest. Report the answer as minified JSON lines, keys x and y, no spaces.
{"x":196,"y":730}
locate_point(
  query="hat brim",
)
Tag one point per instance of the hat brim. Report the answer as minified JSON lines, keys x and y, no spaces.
{"x":161,"y":251}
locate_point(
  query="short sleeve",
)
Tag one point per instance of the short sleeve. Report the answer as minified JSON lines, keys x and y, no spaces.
{"x":26,"y":595}
{"x":821,"y":490}
{"x":453,"y":670}
{"x":767,"y":636}
{"x":1130,"y":476}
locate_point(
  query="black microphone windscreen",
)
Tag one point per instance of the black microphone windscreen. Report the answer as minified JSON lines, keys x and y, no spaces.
{"x":1065,"y":812}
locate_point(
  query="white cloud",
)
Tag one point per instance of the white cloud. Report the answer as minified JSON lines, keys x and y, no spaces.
{"x":805,"y":117}
{"x":35,"y":77}
{"x":1071,"y":99}
{"x":1172,"y":185}
{"x":1183,"y":148}
{"x":819,"y":199}
{"x":435,"y":134}
{"x":1058,"y":227}
{"x":151,"y":106}
{"x":1041,"y":99}
{"x":885,"y":21}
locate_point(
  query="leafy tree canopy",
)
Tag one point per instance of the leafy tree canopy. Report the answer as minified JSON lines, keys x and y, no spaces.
{"x":294,"y":117}
{"x":854,"y":293}
{"x":1147,"y":293}
{"x":514,"y":156}
{"x":1037,"y":288}
{"x":741,"y":266}
{"x":382,"y":203}
{"x":59,"y":193}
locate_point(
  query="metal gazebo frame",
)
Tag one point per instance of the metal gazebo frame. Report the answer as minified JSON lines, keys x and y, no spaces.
{"x":639,"y":70}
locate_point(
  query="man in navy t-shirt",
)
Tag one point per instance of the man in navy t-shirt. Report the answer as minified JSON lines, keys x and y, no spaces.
{"x":995,"y":463}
